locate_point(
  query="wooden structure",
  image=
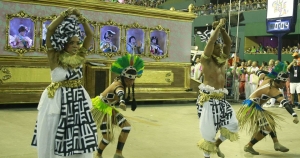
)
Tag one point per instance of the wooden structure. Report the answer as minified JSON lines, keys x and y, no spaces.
{"x":24,"y":73}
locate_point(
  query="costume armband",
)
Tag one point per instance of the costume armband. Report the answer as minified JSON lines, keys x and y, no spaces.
{"x":121,"y":96}
{"x":260,"y":72}
{"x":288,"y":107}
{"x":65,"y":13}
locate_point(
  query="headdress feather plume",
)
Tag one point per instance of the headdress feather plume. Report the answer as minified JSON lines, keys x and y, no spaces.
{"x":280,"y":67}
{"x":132,"y":58}
{"x":126,"y":61}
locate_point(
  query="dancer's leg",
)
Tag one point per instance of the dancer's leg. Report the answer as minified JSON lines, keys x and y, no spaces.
{"x":229,"y":128}
{"x":277,"y":145}
{"x":208,"y":130}
{"x":123,"y":135}
{"x":104,"y":142}
{"x":259,"y":136}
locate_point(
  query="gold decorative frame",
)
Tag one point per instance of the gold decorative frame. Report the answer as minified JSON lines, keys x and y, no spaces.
{"x":110,"y":54}
{"x":21,"y":14}
{"x":44,"y":19}
{"x":135,"y":26}
{"x":166,"y":53}
{"x":114,"y":8}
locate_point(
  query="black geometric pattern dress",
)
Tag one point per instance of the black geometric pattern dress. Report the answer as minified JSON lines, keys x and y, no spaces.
{"x":65,"y":126}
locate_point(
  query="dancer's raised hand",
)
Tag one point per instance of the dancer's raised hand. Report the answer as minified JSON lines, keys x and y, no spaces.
{"x":222,"y":22}
{"x":69,"y":11}
{"x":76,"y":12}
{"x":123,"y":106}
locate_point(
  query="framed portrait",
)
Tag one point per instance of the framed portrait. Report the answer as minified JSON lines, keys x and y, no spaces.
{"x":20,"y":36}
{"x":159,"y":42}
{"x":45,"y":22}
{"x":110,"y":39}
{"x":135,"y":39}
{"x":82,"y":35}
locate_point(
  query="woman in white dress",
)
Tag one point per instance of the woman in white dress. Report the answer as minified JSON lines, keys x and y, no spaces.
{"x":65,"y":126}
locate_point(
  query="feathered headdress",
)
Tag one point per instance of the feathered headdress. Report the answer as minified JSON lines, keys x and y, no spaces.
{"x":278,"y":71}
{"x":123,"y":65}
{"x":128,"y":62}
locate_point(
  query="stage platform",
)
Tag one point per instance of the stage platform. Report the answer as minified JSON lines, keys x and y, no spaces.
{"x":158,"y":131}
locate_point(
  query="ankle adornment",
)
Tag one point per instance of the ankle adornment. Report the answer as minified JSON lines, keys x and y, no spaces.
{"x":273,"y":134}
{"x":207,"y":147}
{"x":253,"y":141}
{"x":100,"y":151}
{"x":120,"y":146}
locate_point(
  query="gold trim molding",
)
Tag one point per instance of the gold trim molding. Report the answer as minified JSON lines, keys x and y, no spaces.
{"x":97,"y":5}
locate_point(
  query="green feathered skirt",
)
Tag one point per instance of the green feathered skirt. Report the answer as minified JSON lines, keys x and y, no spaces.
{"x":252,"y":118}
{"x":103,"y":112}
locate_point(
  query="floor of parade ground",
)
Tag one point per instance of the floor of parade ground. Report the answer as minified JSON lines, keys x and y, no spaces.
{"x":158,"y":131}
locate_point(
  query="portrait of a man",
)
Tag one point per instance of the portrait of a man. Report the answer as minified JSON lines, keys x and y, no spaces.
{"x":135,"y":41}
{"x":110,"y":39}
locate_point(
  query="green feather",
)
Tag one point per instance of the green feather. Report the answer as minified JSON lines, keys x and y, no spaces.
{"x":121,"y":63}
{"x":280,"y":67}
{"x":138,"y":65}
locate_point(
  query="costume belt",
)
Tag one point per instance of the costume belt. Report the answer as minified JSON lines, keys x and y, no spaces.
{"x":205,"y":96}
{"x":68,"y":83}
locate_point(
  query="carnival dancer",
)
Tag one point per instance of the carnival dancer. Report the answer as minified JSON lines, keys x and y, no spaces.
{"x":258,"y":121}
{"x":104,"y":112}
{"x":65,"y":126}
{"x":214,"y":112}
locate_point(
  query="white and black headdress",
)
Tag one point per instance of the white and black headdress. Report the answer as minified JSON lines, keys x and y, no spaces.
{"x":206,"y":35}
{"x":282,"y":76}
{"x":66,"y":30}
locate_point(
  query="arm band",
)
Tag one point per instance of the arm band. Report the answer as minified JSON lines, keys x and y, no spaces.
{"x":260,"y":72}
{"x":288,"y":107}
{"x":121,"y":96}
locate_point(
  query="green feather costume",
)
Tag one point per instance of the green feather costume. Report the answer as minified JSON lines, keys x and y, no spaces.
{"x":128,"y":62}
{"x":101,"y":109}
